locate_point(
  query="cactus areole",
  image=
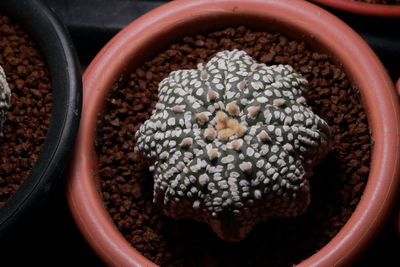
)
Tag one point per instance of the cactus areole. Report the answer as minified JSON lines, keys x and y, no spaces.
{"x":233,"y":143}
{"x":5,"y":98}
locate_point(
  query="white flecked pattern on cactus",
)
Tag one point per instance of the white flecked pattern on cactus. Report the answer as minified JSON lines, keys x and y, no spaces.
{"x":233,"y":143}
{"x":5,"y":98}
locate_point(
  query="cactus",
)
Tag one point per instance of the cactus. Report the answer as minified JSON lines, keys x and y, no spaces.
{"x":5,"y":99}
{"x":233,"y":142}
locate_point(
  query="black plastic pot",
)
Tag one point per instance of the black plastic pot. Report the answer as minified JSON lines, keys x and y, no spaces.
{"x":57,"y":48}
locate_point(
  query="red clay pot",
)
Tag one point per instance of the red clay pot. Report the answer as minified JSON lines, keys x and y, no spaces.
{"x":151,"y":33}
{"x":376,"y":10}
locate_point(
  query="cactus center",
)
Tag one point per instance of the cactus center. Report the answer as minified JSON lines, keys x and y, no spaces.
{"x":227,"y":127}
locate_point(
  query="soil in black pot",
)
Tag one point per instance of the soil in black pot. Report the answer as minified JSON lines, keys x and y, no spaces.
{"x":31,"y":100}
{"x":336,"y":187}
{"x":383,"y":2}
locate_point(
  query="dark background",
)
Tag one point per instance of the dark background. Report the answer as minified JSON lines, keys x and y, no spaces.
{"x":51,"y":237}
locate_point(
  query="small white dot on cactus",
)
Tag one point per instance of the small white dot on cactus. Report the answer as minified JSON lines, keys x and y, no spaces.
{"x":200,"y":66}
{"x":288,"y":147}
{"x":245,"y":166}
{"x":279,"y":102}
{"x":273,"y":158}
{"x":300,"y":100}
{"x":257,"y":194}
{"x":164,"y":155}
{"x":160,"y":106}
{"x":253,"y":67}
{"x":203,"y":179}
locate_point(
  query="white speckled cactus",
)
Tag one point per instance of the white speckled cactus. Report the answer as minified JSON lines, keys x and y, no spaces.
{"x":5,"y":98}
{"x":233,"y":143}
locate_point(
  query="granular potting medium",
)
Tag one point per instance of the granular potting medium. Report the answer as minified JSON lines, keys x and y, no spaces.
{"x":28,"y":117}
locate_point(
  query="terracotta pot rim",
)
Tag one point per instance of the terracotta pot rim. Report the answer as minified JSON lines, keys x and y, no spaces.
{"x":382,"y":109}
{"x":366,"y":9}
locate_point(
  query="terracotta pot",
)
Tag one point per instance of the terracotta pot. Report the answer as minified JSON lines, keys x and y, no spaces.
{"x":376,"y":10}
{"x":57,"y":48}
{"x":151,"y":33}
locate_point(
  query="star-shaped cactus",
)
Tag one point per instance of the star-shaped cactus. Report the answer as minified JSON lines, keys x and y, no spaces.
{"x":233,"y":143}
{"x":5,"y":98}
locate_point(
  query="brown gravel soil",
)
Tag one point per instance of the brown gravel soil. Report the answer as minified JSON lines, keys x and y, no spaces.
{"x":31,"y":101}
{"x":383,"y":2}
{"x":336,"y":187}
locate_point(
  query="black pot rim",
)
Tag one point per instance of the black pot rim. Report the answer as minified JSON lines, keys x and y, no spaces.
{"x":56,"y":46}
